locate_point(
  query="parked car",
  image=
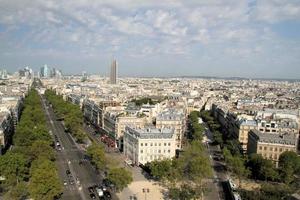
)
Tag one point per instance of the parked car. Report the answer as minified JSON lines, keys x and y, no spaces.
{"x":91,"y":189}
{"x":93,"y":196}
{"x":99,"y":192}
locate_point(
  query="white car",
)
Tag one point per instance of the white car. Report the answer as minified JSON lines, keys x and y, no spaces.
{"x":99,"y":192}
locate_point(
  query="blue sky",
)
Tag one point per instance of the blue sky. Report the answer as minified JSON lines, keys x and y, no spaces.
{"x":154,"y":38}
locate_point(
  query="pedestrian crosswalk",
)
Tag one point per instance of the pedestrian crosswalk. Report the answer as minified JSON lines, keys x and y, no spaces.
{"x":79,"y":161}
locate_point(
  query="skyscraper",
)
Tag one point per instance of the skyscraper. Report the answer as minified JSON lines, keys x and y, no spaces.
{"x":45,"y":71}
{"x":113,"y":72}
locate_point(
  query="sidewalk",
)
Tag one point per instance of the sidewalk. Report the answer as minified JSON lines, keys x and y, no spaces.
{"x":135,"y":189}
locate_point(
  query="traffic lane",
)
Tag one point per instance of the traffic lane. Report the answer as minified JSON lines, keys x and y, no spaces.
{"x":68,"y":192}
{"x":85,"y":173}
{"x":91,"y":131}
{"x":60,"y":134}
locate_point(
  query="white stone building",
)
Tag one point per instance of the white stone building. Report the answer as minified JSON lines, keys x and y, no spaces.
{"x":148,"y":144}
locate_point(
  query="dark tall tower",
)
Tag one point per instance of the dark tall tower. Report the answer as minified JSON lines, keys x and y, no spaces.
{"x":113,"y":72}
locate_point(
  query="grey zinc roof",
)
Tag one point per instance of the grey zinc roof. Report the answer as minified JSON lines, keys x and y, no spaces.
{"x":151,"y":133}
{"x":170,"y":115}
{"x":287,"y":139}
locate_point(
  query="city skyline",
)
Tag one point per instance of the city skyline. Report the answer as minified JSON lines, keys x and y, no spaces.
{"x":251,"y":39}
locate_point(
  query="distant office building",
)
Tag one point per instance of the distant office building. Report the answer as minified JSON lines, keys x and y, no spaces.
{"x":27,"y":72}
{"x":3,"y":74}
{"x":44,"y":71}
{"x":84,"y":76}
{"x":113,"y":72}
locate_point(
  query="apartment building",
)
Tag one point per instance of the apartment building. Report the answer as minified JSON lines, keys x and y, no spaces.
{"x":6,"y":130}
{"x":242,"y":129}
{"x":175,"y":119}
{"x":270,"y":145}
{"x":148,"y":144}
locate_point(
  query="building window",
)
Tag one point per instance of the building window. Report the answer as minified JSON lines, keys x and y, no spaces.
{"x":159,"y":151}
{"x":280,"y":150}
{"x":260,"y":147}
{"x":159,"y":144}
{"x":275,"y":149}
{"x":271,"y":148}
{"x":265,"y":148}
{"x":169,"y":144}
{"x":142,"y":144}
{"x":145,"y":144}
{"x":165,"y":144}
{"x":169,"y":151}
{"x":151,"y":144}
{"x":141,"y":150}
{"x":155,"y":144}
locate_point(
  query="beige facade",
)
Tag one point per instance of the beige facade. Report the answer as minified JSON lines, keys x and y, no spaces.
{"x":146,"y":145}
{"x":174,"y":121}
{"x":271,"y":146}
{"x":241,"y":131}
{"x":132,"y":121}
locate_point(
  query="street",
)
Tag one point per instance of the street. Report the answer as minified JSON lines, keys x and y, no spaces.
{"x":219,"y":173}
{"x":81,"y":175}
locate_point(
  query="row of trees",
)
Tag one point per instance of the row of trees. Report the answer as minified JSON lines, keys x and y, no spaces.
{"x":185,"y":176}
{"x":119,"y":176}
{"x":255,"y":166}
{"x":196,"y":129}
{"x":70,"y":113}
{"x":28,"y":169}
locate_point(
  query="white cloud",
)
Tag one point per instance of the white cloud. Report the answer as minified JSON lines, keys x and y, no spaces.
{"x":272,"y":11}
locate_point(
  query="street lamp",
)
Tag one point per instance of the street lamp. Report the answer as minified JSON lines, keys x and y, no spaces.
{"x":146,"y":190}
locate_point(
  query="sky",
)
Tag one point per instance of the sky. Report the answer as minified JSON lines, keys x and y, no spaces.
{"x":227,"y":38}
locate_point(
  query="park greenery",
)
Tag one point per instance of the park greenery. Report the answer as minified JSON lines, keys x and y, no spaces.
{"x":278,"y":182}
{"x":28,"y":168}
{"x":146,"y":100}
{"x":185,"y":176}
{"x":70,"y":113}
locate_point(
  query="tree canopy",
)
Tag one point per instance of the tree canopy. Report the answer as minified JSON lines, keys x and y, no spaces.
{"x":120,"y":177}
{"x":72,"y":115}
{"x":97,"y":154}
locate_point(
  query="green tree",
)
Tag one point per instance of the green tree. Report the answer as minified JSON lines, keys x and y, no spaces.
{"x":120,"y":177}
{"x":97,"y":154}
{"x":194,"y":166}
{"x":41,"y":149}
{"x":261,"y":168}
{"x":20,"y":191}
{"x":13,"y":167}
{"x":218,"y":138}
{"x":185,"y":192}
{"x":289,"y":159}
{"x":237,"y":165}
{"x":161,"y":168}
{"x":44,"y":182}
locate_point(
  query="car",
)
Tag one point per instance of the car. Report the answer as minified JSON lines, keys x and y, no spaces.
{"x":107,"y":194}
{"x":99,"y":191}
{"x":93,"y":196}
{"x":103,"y":187}
{"x":65,"y":182}
{"x":71,"y":182}
{"x":91,"y":189}
{"x":68,"y":172}
{"x":107,"y":183}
